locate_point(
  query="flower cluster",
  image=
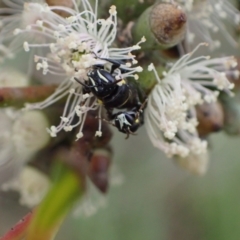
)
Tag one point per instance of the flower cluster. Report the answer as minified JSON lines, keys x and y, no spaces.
{"x":18,"y":129}
{"x":81,"y":41}
{"x":171,"y":116}
{"x":72,"y":43}
{"x":21,"y":17}
{"x":78,"y":43}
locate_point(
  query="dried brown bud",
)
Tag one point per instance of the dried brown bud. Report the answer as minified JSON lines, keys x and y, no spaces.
{"x":98,"y":169}
{"x":64,"y":3}
{"x":168,"y":23}
{"x":170,"y":53}
{"x":163,"y":25}
{"x":210,"y":118}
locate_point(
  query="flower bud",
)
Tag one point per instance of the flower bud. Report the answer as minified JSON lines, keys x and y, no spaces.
{"x":64,"y":3}
{"x":163,"y":24}
{"x":170,"y":53}
{"x":29,"y":133}
{"x":210,"y":118}
{"x":168,"y":23}
{"x":98,"y":169}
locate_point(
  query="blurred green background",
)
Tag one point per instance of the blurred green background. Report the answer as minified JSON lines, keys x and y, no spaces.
{"x":159,"y":201}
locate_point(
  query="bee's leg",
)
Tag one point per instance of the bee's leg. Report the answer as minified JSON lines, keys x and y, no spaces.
{"x":117,"y":81}
{"x":85,"y":85}
{"x":107,"y":121}
{"x":139,"y":112}
{"x":110,"y":114}
{"x":129,"y":132}
{"x":115,"y":63}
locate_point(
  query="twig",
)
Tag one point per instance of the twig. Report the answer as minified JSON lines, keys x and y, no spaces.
{"x":18,"y":96}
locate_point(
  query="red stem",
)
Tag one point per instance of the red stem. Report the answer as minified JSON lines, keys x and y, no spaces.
{"x":19,"y":230}
{"x":19,"y":96}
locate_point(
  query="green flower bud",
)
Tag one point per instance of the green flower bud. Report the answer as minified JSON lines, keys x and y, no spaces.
{"x":163,"y":25}
{"x":231,"y":116}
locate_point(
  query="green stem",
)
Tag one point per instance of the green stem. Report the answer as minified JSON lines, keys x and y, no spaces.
{"x":55,"y":206}
{"x":128,"y":10}
{"x":142,"y":28}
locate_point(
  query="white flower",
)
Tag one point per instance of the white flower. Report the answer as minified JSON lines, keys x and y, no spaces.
{"x":22,"y":134}
{"x":7,"y":155}
{"x":207,"y":18}
{"x":78,"y":43}
{"x":21,"y":137}
{"x":195,"y":163}
{"x":22,"y":17}
{"x":31,"y":184}
{"x":28,"y":133}
{"x":170,"y":116}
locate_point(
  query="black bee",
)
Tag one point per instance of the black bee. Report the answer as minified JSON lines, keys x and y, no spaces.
{"x":106,"y":89}
{"x":103,"y":85}
{"x":129,"y":121}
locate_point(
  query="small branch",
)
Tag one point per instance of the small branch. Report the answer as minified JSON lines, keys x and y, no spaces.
{"x":18,"y":96}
